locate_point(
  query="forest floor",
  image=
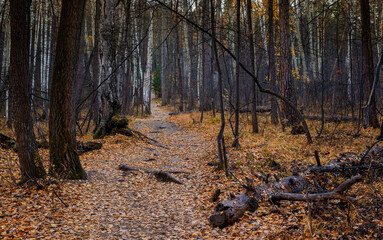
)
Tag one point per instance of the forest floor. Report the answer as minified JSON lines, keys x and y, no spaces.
{"x":112,"y":204}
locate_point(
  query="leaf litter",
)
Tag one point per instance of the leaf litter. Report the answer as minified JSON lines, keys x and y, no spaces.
{"x":114,"y":205}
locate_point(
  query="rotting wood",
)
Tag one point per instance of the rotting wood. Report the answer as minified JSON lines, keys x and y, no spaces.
{"x":298,"y":188}
{"x":88,"y":146}
{"x":289,"y":188}
{"x":7,"y":142}
{"x":338,"y":193}
{"x":215,"y":195}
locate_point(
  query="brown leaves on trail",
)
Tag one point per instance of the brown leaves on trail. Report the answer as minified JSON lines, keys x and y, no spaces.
{"x":114,"y":205}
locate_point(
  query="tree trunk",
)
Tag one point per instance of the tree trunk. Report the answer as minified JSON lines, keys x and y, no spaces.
{"x":286,"y":81}
{"x":271,"y":50}
{"x":206,"y":74}
{"x":237,"y":68}
{"x":30,"y":163}
{"x":65,"y":162}
{"x":96,"y":59}
{"x":163,"y":58}
{"x":149,"y":63}
{"x":368,"y":66}
{"x":253,"y":99}
{"x":188,"y":68}
{"x":109,"y":104}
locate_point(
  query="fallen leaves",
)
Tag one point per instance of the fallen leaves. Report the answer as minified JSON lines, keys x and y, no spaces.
{"x":135,"y":206}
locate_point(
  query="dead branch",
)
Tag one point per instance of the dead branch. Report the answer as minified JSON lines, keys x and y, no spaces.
{"x":336,"y":194}
{"x":160,"y":175}
{"x":289,"y":188}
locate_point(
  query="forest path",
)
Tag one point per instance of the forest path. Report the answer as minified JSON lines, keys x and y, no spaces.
{"x":136,"y":205}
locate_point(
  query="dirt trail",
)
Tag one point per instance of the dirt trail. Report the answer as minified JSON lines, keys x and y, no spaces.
{"x":136,"y":206}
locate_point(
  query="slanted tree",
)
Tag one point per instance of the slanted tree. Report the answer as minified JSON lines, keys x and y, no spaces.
{"x":30,"y":163}
{"x":64,"y":159}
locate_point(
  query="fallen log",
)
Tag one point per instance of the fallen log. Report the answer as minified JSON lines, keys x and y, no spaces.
{"x":345,"y":168}
{"x":231,"y":210}
{"x":163,"y":176}
{"x":7,"y":142}
{"x":88,"y":146}
{"x":289,"y":188}
{"x":260,"y":109}
{"x":176,"y":113}
{"x":332,"y":119}
{"x":160,"y":175}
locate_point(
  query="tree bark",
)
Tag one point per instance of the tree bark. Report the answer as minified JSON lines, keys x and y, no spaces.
{"x":109,"y":102}
{"x":65,"y":162}
{"x":253,"y":96}
{"x":163,"y":58}
{"x":30,"y":163}
{"x":286,"y":81}
{"x":272,"y":76}
{"x":368,"y":65}
{"x":237,"y":68}
{"x":149,"y":63}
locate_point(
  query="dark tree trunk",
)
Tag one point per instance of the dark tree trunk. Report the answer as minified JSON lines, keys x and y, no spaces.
{"x":96,"y":59}
{"x":368,"y":65}
{"x":274,"y":103}
{"x":163,"y":59}
{"x":30,"y":163}
{"x":64,"y":159}
{"x":286,"y":81}
{"x":206,"y":74}
{"x":237,"y":68}
{"x":253,"y":99}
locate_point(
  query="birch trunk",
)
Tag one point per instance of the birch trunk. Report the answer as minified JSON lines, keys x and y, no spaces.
{"x":187,"y":60}
{"x":148,"y":72}
{"x":163,"y":58}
